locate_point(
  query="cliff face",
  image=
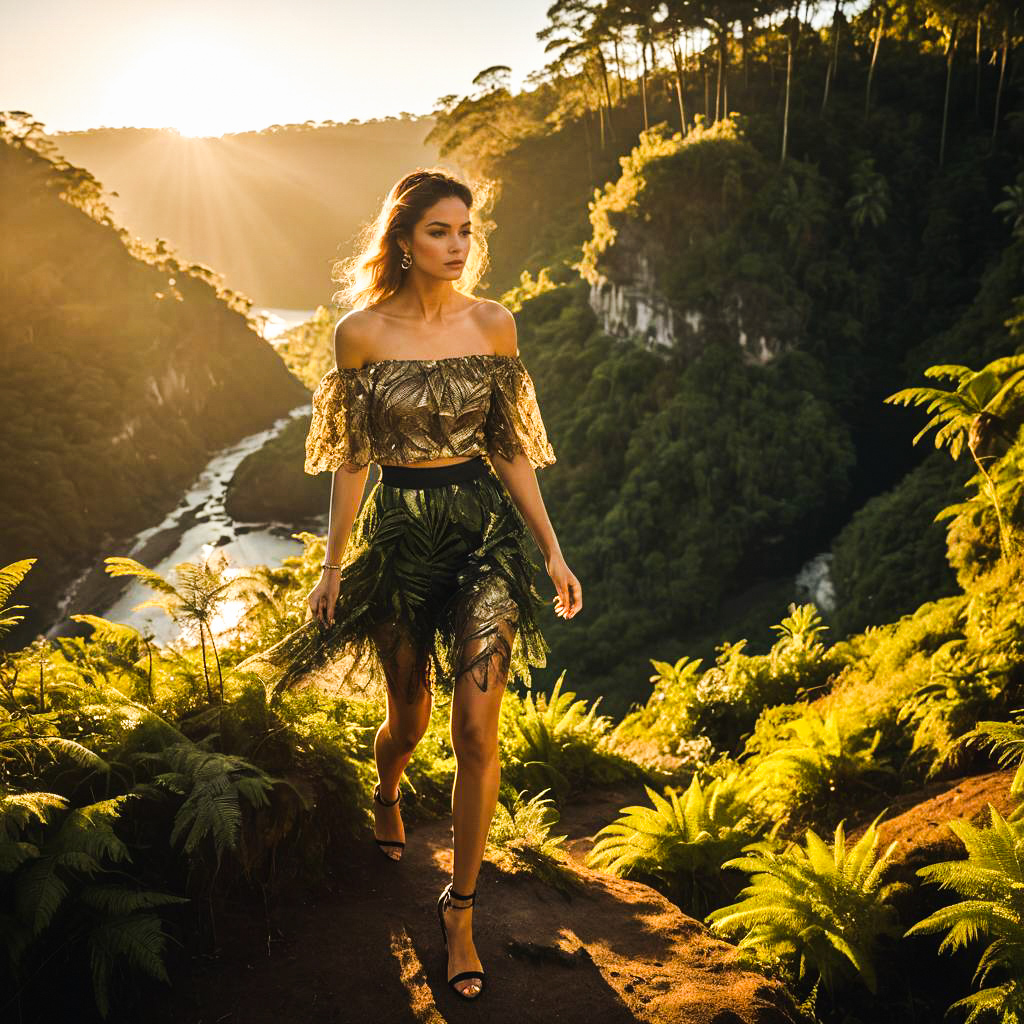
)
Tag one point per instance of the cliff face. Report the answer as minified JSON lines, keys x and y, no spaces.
{"x":120,"y":378}
{"x":628,"y":299}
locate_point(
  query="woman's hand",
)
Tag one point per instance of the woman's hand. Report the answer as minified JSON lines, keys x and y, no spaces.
{"x":570,"y":594}
{"x":324,"y":596}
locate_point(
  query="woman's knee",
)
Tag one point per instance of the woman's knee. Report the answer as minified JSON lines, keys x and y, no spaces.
{"x":474,"y":743}
{"x":407,"y":725}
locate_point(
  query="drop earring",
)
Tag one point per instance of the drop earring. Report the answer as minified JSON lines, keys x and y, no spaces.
{"x":406,"y":260}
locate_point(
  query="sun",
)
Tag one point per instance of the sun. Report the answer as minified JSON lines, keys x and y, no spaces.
{"x":201,"y":85}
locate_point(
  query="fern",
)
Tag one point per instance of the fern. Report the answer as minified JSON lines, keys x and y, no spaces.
{"x":10,"y":576}
{"x":556,"y":743}
{"x":521,"y":835}
{"x":214,"y":786}
{"x":991,"y":880}
{"x":825,"y":760}
{"x":124,"y":932}
{"x":824,"y":907}
{"x":1007,"y":742}
{"x":681,"y":841}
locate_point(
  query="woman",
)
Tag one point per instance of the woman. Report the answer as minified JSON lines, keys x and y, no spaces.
{"x":432,"y":578}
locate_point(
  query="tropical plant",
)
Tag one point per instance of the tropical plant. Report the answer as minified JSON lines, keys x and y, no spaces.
{"x":963,"y":682}
{"x":557,"y":743}
{"x":1006,"y":740}
{"x":823,"y":906}
{"x":978,"y":412}
{"x":214,"y":786}
{"x":195,"y":602}
{"x":680,"y":842}
{"x":520,"y":836}
{"x":56,"y":877}
{"x":824,"y":762}
{"x":991,"y":881}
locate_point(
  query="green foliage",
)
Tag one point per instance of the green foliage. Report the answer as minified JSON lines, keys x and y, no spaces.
{"x":557,"y":743}
{"x":528,"y":288}
{"x":891,"y":557}
{"x":823,"y":763}
{"x":990,"y":882}
{"x":984,"y":411}
{"x":973,"y":538}
{"x":823,"y":906}
{"x":723,"y":702}
{"x":199,"y":595}
{"x":57,"y":878}
{"x":680,"y":843}
{"x":214,"y":787}
{"x":962,"y":683}
{"x":520,"y":837}
{"x":1006,"y":740}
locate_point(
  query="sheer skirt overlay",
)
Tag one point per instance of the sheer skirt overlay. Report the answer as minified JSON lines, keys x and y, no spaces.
{"x":436,"y":587}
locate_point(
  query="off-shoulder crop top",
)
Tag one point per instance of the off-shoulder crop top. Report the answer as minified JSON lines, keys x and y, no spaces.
{"x":401,"y":411}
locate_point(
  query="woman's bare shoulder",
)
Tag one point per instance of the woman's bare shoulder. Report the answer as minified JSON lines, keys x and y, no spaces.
{"x":498,"y":323}
{"x":353,"y":338}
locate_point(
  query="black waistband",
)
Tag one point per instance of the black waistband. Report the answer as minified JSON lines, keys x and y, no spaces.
{"x":433,"y":476}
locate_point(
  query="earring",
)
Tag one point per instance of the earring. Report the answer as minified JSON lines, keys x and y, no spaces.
{"x":406,"y":260}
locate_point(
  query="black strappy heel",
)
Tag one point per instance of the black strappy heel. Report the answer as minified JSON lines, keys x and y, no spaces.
{"x":387,"y":842}
{"x":444,"y":901}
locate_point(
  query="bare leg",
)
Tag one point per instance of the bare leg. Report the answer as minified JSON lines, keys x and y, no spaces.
{"x":401,"y":730}
{"x":476,"y":706}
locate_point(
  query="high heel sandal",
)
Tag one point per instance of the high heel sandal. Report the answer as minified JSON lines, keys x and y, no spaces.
{"x":387,"y":842}
{"x":444,"y":901}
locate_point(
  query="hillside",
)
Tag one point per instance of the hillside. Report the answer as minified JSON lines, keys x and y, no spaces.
{"x":123,"y":371}
{"x":271,"y":210}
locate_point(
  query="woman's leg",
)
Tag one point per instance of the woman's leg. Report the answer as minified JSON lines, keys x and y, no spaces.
{"x":401,"y":730}
{"x":476,"y":706}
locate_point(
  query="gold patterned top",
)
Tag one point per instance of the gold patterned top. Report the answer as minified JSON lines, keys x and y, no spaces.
{"x":401,"y":411}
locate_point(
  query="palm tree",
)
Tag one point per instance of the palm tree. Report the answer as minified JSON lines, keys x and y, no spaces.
{"x":203,"y":590}
{"x":869,"y":203}
{"x":976,"y":412}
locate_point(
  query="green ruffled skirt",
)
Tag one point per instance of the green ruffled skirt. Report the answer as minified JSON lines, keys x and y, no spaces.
{"x":437,"y":586}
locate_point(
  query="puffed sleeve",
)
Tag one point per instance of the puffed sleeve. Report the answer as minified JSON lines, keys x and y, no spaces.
{"x":513,"y":422}
{"x":338,"y":433}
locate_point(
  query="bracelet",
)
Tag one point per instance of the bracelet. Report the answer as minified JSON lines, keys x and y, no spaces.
{"x":331,"y":565}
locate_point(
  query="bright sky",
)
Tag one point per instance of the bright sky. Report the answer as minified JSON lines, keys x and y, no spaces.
{"x":212,"y":66}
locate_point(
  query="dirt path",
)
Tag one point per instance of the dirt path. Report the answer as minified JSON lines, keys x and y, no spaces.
{"x":368,"y":949}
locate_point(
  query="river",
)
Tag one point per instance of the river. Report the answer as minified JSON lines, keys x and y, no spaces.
{"x":191,"y":532}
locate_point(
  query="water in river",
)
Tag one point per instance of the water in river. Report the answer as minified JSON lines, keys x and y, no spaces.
{"x":191,"y":532}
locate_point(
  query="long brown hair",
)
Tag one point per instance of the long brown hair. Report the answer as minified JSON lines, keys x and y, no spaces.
{"x":374,"y":272}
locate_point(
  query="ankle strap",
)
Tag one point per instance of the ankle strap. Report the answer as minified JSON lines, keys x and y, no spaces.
{"x":459,"y":896}
{"x":381,"y":800}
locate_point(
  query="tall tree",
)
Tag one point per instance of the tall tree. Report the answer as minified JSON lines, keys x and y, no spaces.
{"x":880,"y":8}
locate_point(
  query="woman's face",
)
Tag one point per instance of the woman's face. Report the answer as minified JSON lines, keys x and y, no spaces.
{"x":441,"y":239}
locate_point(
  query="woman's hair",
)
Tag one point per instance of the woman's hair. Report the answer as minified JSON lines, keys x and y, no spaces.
{"x":374,"y":272}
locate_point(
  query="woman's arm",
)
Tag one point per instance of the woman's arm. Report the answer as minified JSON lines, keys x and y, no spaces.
{"x":347,"y":486}
{"x":520,"y":480}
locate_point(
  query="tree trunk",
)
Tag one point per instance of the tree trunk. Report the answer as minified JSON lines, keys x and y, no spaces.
{"x":206,"y":668}
{"x":718,"y":80}
{"x":643,"y":81}
{"x":874,"y":58}
{"x":586,"y":139}
{"x":785,"y":109}
{"x":833,"y":62}
{"x":607,"y":95}
{"x":1002,"y":77}
{"x":680,"y":85}
{"x":950,"y":51}
{"x":618,"y":69}
{"x":746,"y":56}
{"x":707,"y":84}
{"x":977,"y":70}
